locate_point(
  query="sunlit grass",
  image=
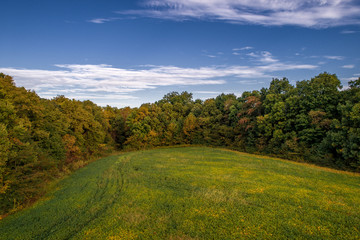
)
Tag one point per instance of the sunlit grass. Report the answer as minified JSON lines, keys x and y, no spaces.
{"x":194,"y":193}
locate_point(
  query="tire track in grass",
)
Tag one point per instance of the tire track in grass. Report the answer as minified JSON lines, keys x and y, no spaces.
{"x":96,"y":205}
{"x":68,"y":220}
{"x":120,"y":181}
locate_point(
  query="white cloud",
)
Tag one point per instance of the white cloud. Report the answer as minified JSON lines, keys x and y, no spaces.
{"x":243,"y":48}
{"x":348,"y":32}
{"x":100,"y":20}
{"x":264,"y":57}
{"x":267,"y":57}
{"x":248,"y":82}
{"x":108,"y":79}
{"x":104,"y":82}
{"x":334,"y":57}
{"x":348,"y":66}
{"x":236,"y":50}
{"x":305,"y":13}
{"x":103,"y":20}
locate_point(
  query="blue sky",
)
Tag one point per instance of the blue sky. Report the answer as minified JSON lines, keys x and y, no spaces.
{"x":124,"y":53}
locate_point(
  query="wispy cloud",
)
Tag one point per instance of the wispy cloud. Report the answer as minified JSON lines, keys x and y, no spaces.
{"x":236,"y":51}
{"x":107,"y":79}
{"x":335,"y":57}
{"x":348,"y":66}
{"x":264,"y":57}
{"x":242,"y":48}
{"x":249,"y":82}
{"x":101,"y":20}
{"x":101,"y":82}
{"x":305,"y":13}
{"x":105,"y":20}
{"x":348,"y":32}
{"x":206,"y":53}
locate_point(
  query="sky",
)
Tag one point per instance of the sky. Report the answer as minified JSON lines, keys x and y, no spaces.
{"x":129,"y":52}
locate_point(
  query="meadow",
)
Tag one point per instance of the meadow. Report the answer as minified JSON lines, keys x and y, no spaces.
{"x":194,"y":193}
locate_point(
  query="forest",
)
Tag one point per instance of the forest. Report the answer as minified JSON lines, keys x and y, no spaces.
{"x":316,"y":121}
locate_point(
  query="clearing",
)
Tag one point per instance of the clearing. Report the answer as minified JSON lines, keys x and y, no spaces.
{"x":194,"y":193}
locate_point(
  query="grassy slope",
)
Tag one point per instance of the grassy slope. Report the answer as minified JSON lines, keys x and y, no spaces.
{"x":194,"y":193}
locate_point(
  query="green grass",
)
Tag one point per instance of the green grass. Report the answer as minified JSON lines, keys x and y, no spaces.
{"x":194,"y":193}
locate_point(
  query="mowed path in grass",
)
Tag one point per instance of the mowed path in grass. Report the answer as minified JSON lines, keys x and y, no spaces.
{"x":194,"y":193}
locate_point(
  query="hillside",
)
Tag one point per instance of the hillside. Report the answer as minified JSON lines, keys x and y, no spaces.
{"x":194,"y":193}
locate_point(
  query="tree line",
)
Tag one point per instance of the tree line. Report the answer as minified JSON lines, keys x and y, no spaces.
{"x":314,"y":121}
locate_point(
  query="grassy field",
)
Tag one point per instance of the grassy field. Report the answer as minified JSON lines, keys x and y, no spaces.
{"x":194,"y":193}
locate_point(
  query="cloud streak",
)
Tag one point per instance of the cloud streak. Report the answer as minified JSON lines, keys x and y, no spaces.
{"x":103,"y":82}
{"x":350,"y":66}
{"x":335,"y":57}
{"x":101,"y":20}
{"x":304,"y":13}
{"x":243,"y":48}
{"x":348,"y":32}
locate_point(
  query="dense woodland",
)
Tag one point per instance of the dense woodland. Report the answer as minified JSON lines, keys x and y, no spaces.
{"x":314,"y":121}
